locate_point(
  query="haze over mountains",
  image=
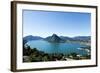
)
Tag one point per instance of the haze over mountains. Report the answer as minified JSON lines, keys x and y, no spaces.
{"x":57,"y":39}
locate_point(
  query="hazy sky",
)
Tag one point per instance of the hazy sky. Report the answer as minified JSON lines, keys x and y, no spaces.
{"x":45,"y":23}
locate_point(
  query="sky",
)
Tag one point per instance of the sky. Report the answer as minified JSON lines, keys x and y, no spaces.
{"x":46,"y":23}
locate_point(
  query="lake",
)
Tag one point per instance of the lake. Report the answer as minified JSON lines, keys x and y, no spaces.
{"x":65,"y":48}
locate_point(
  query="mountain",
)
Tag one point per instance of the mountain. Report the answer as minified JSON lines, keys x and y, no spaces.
{"x":77,"y":38}
{"x":54,"y":38}
{"x":58,"y":39}
{"x":30,"y":38}
{"x":66,"y":38}
{"x":83,"y":38}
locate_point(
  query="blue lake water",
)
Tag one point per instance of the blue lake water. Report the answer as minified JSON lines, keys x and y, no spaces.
{"x":65,"y":48}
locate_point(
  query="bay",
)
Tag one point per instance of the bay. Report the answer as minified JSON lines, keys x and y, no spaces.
{"x":64,"y":48}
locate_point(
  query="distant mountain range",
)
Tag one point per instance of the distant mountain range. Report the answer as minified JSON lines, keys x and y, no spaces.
{"x":84,"y":38}
{"x":56,"y":39}
{"x":30,"y":38}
